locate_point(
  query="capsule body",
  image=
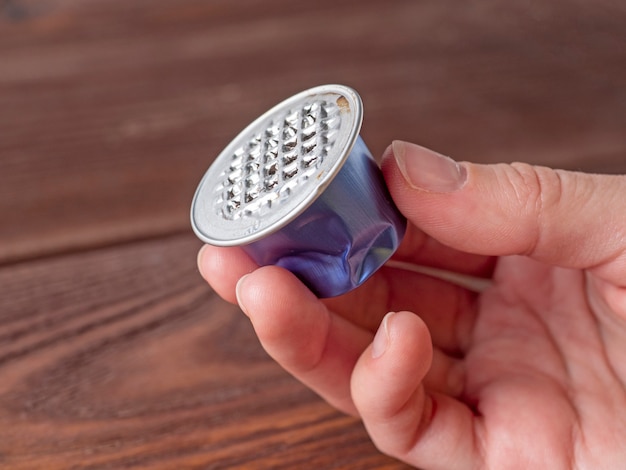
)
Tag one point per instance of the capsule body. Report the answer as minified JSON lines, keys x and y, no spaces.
{"x":298,"y":188}
{"x":341,"y":239}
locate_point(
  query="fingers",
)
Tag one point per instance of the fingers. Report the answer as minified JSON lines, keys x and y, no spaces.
{"x":448,"y":310}
{"x":405,"y":419}
{"x":223,"y":267}
{"x":446,"y":374}
{"x":560,"y":217}
{"x":297,"y":330}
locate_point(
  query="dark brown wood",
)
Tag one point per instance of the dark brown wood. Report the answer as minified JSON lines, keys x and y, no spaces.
{"x":113,"y":352}
{"x":122,"y":357}
{"x":110,"y":113}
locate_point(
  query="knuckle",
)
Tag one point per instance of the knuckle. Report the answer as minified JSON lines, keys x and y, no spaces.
{"x":538,"y":191}
{"x":537,"y":188}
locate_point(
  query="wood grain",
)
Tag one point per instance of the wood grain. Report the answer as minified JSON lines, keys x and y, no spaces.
{"x":124,"y":358}
{"x":113,"y":353}
{"x":111,"y":112}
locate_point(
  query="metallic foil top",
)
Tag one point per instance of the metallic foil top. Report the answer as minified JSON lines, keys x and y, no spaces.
{"x":277,"y":167}
{"x":299,"y":189}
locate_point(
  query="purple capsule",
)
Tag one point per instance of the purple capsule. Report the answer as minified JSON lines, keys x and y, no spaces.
{"x":298,"y":188}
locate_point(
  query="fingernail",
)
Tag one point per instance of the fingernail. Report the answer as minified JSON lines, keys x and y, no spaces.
{"x":238,"y":290}
{"x":427,"y":170}
{"x":381,"y":339}
{"x":199,"y":260}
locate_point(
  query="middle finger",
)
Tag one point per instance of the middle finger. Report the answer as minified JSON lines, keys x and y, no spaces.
{"x":448,"y":310}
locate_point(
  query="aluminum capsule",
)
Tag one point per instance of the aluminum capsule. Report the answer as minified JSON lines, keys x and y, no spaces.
{"x":298,"y":188}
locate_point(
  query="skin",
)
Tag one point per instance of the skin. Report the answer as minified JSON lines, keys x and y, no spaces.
{"x":527,"y":373}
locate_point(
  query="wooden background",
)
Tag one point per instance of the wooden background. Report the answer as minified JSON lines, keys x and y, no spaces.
{"x":113,"y":352}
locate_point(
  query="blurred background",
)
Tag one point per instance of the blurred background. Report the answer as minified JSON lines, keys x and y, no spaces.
{"x":113,"y":353}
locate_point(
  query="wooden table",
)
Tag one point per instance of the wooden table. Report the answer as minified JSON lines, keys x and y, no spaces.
{"x":113,"y":352}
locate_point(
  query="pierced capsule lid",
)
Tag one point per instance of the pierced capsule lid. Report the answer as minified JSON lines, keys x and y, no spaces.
{"x":277,"y":166}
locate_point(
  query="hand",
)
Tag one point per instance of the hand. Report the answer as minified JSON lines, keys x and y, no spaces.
{"x":528,"y":373}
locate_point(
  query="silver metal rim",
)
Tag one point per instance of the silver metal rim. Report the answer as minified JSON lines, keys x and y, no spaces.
{"x":200,"y":212}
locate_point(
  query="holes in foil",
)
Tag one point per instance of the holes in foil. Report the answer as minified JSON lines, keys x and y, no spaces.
{"x":308,"y":121}
{"x":271,"y":169}
{"x":309,"y":160}
{"x":291,"y":119}
{"x":252,"y":180}
{"x":289,"y":132}
{"x":273,"y":130}
{"x":278,"y":160}
{"x":290,"y":171}
{"x":252,"y":167}
{"x":232,"y":206}
{"x":308,"y":134}
{"x":236,"y":162}
{"x":272,"y":143}
{"x":307,"y":148}
{"x":290,"y":144}
{"x":233,"y":192}
{"x":234,"y":176}
{"x":289,"y":158}
{"x":270,"y":155}
{"x":252,"y":193}
{"x":271,"y":182}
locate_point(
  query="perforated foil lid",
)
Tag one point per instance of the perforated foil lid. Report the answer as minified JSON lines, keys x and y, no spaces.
{"x":277,"y":166}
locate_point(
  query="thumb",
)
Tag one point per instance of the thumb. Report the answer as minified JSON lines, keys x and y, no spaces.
{"x":560,"y":217}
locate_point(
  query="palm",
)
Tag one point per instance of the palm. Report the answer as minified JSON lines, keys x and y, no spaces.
{"x":529,"y":354}
{"x":537,"y":370}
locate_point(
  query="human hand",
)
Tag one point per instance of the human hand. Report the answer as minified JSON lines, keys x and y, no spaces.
{"x":528,"y":373}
